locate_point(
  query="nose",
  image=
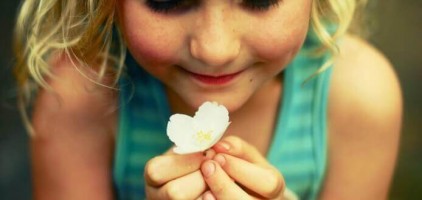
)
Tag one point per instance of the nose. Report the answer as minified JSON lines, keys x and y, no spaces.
{"x":215,"y":41}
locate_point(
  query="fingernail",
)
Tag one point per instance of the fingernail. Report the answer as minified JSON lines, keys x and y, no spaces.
{"x":209,"y":196}
{"x":208,"y":169}
{"x":220,"y":159}
{"x":223,"y":146}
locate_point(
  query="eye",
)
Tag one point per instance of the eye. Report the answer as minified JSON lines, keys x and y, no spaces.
{"x":165,"y":6}
{"x":259,"y":5}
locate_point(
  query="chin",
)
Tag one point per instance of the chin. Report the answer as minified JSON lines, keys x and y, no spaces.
{"x":191,"y":98}
{"x":231,"y":102}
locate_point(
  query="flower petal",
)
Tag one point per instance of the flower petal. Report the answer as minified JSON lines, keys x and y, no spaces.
{"x":185,"y":150}
{"x":212,"y":112}
{"x":212,"y":116}
{"x":219,"y":134}
{"x":200,"y":132}
{"x":179,"y":129}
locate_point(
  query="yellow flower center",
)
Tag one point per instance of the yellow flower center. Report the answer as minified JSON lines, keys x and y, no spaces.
{"x":203,"y":137}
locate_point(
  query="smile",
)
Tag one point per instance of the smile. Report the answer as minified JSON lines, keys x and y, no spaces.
{"x":214,"y":80}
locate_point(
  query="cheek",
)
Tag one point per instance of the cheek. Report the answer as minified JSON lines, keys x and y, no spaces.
{"x":280,"y":44}
{"x":150,"y":49}
{"x":151,"y":41}
{"x":280,"y":38}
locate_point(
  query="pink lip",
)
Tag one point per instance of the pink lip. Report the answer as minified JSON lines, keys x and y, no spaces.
{"x":215,"y":80}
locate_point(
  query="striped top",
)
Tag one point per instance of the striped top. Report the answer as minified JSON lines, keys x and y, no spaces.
{"x":298,"y":148}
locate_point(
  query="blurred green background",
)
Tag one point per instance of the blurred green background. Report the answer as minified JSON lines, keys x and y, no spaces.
{"x":396,"y":29}
{"x":398,"y":34}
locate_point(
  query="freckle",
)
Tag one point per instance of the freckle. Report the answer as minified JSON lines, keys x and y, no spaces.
{"x":250,"y":80}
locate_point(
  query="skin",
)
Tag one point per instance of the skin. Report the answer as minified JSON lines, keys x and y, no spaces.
{"x":72,"y":149}
{"x":214,"y":38}
{"x":72,"y":156}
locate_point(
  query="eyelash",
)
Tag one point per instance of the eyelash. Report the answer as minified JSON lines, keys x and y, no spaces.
{"x":260,"y":5}
{"x":165,"y":6}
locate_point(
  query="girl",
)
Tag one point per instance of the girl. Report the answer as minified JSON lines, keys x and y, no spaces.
{"x":100,"y":114}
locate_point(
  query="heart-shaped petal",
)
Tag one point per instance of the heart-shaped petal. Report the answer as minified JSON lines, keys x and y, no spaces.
{"x":200,"y":132}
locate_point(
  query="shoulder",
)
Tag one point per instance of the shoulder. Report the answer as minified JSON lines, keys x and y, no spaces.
{"x":73,"y":124}
{"x":365,"y":93}
{"x":74,"y":96}
{"x":364,"y":120}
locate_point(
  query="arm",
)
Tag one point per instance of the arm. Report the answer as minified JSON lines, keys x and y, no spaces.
{"x":365,"y":110}
{"x":73,"y":142}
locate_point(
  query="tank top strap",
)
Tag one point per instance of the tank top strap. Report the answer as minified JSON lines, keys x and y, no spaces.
{"x":299,"y":145}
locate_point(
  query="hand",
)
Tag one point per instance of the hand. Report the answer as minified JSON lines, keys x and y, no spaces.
{"x":172,"y":176}
{"x":239,"y":171}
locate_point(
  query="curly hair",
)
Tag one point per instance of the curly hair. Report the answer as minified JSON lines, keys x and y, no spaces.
{"x":332,"y":19}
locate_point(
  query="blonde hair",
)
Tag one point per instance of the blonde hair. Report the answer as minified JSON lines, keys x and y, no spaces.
{"x":81,"y":31}
{"x":332,"y":19}
{"x":84,"y":33}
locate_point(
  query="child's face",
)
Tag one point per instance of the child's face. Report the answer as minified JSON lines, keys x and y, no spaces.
{"x":214,"y":50}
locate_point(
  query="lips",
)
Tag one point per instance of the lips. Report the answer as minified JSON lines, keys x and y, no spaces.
{"x":214,"y":80}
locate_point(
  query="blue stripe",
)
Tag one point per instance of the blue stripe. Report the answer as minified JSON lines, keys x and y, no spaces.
{"x":139,"y":159}
{"x":134,"y":180}
{"x":304,"y":98}
{"x":142,"y":138}
{"x":300,"y":123}
{"x":133,"y":192}
{"x":152,"y":149}
{"x":298,"y":167}
{"x":294,"y":148}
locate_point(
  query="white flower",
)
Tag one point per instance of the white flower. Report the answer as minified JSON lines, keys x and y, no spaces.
{"x":201,"y":132}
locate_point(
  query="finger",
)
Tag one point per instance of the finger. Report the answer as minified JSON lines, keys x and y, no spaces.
{"x":207,"y":196}
{"x":208,"y":153}
{"x":219,"y":183}
{"x":162,"y":169}
{"x":190,"y":186}
{"x":264,"y":181}
{"x":237,"y":147}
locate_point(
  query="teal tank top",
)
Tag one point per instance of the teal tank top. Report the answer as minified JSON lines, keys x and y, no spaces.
{"x":298,"y":149}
